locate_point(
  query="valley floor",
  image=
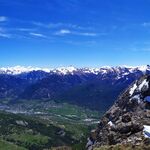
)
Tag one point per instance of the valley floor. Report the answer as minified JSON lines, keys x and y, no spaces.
{"x":37,"y":125}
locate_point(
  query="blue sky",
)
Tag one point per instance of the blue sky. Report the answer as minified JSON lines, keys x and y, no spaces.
{"x":52,"y":33}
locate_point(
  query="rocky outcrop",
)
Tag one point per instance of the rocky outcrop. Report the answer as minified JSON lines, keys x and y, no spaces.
{"x":128,"y":120}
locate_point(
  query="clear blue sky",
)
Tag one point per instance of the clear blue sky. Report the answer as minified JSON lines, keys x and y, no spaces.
{"x":51,"y":33}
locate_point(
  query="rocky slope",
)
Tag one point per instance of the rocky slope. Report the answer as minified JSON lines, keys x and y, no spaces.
{"x":128,"y":120}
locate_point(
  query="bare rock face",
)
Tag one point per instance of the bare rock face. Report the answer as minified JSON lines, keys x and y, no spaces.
{"x":128,"y":120}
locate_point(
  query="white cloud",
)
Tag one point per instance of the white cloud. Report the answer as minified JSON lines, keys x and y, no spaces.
{"x":63,"y":32}
{"x":4,"y":35}
{"x":24,"y":29}
{"x":40,"y":24}
{"x":3,"y":19}
{"x":86,"y":34}
{"x":66,"y":32}
{"x":37,"y":34}
{"x":59,"y":25}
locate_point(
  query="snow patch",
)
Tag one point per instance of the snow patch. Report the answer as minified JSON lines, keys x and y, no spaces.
{"x":132,"y":89}
{"x":111,"y":124}
{"x":144,"y":83}
{"x":143,"y":68}
{"x":146,"y":131}
{"x":136,"y":97}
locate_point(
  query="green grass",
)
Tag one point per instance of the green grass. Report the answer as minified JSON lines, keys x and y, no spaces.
{"x":42,"y":133}
{"x":4,"y":145}
{"x":35,"y":135}
{"x":74,"y":111}
{"x":29,"y":140}
{"x":39,"y":134}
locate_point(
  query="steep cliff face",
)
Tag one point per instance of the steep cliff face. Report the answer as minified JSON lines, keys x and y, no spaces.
{"x":128,"y":120}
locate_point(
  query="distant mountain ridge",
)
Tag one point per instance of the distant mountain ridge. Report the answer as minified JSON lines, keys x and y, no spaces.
{"x":73,"y":70}
{"x":87,"y":87}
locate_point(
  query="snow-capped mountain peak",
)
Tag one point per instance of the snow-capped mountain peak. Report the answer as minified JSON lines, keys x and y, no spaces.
{"x":20,"y":69}
{"x":64,"y":70}
{"x":120,"y":70}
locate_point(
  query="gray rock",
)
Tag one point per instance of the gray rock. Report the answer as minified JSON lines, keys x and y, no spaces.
{"x":128,"y":115}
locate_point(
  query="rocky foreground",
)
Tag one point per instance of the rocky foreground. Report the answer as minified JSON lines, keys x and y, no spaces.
{"x":127,"y":122}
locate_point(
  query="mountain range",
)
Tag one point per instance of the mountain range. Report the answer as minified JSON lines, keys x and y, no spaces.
{"x":95,"y":88}
{"x":72,"y":70}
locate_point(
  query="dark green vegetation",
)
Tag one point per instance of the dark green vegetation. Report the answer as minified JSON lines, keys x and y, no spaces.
{"x":40,"y":125}
{"x":31,"y":133}
{"x":4,"y":145}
